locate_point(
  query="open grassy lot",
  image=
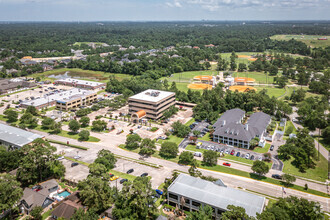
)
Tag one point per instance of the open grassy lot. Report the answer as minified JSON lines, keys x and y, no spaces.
{"x":262,"y":149}
{"x":82,"y":74}
{"x":319,"y":173}
{"x":309,"y":40}
{"x":189,"y":75}
{"x":171,"y":138}
{"x":260,"y":77}
{"x":272,"y":91}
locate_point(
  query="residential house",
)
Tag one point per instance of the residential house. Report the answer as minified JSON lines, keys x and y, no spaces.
{"x":66,"y":208}
{"x":32,"y":199}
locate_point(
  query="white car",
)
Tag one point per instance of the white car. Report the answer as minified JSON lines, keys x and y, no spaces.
{"x":60,"y":158}
{"x":247,"y":156}
{"x":77,"y":157}
{"x":260,"y":158}
{"x":227,"y":151}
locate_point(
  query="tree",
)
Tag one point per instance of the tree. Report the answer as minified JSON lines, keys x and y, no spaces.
{"x":288,"y":179}
{"x":82,"y":214}
{"x":260,"y":167}
{"x":210,"y":158}
{"x":242,"y":67}
{"x":84,"y":135}
{"x":169,"y":149}
{"x":193,"y":171}
{"x":147,"y":147}
{"x":133,"y":141}
{"x":11,"y":115}
{"x":233,"y":64}
{"x":36,"y":212}
{"x":204,"y":213}
{"x":31,"y":109}
{"x":38,"y":163}
{"x":28,"y":120}
{"x":97,"y":169}
{"x":99,"y":125}
{"x":292,"y":208}
{"x":186,"y":157}
{"x":326,"y":135}
{"x":135,"y":200}
{"x":235,"y":213}
{"x":74,"y":126}
{"x":106,"y":158}
{"x":298,"y":95}
{"x":84,"y":121}
{"x":96,"y":193}
{"x":48,"y":123}
{"x":11,"y":192}
{"x":180,"y":129}
{"x":196,"y":133}
{"x":57,"y":128}
{"x":254,"y":142}
{"x":9,"y":159}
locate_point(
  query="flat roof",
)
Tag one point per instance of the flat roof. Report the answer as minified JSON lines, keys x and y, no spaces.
{"x":215,"y":195}
{"x":61,"y":96}
{"x":80,"y":82}
{"x":17,"y":136}
{"x":152,"y":95}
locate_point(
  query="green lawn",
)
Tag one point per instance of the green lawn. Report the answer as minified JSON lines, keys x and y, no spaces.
{"x":319,"y":173}
{"x":123,"y":175}
{"x":260,"y":77}
{"x":322,"y":142}
{"x":262,"y":149}
{"x":206,"y":137}
{"x":68,"y":134}
{"x":271,"y":90}
{"x":171,"y":138}
{"x":189,"y":75}
{"x":190,"y":122}
{"x":82,"y":74}
{"x":309,"y":40}
{"x":46,"y":214}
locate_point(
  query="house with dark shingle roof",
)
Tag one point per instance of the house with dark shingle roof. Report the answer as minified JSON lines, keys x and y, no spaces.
{"x":230,"y":130}
{"x":67,"y":207}
{"x":32,"y":199}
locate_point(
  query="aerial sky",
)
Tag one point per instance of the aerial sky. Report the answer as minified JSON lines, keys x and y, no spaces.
{"x":162,"y":10}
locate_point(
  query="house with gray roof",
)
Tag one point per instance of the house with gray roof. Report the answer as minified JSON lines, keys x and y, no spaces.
{"x":14,"y":138}
{"x":32,"y":199}
{"x":197,"y":192}
{"x":229,"y":128}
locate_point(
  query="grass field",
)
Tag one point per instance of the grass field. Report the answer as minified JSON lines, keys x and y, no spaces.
{"x":82,"y":74}
{"x":319,"y":173}
{"x":171,"y":138}
{"x":272,"y":91}
{"x":260,"y":77}
{"x":309,"y":40}
{"x":262,"y":149}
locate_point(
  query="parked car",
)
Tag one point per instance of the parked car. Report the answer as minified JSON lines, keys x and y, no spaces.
{"x":260,"y":158}
{"x":198,"y":154}
{"x":232,"y":152}
{"x":227,"y":152}
{"x":123,"y":180}
{"x":77,"y":157}
{"x":277,"y":176}
{"x":252,"y":157}
{"x":159,"y":192}
{"x":60,"y":158}
{"x":130,"y":171}
{"x":74,"y":164}
{"x":114,"y":178}
{"x":37,"y":188}
{"x":144,"y":174}
{"x":271,"y":148}
{"x":111,"y":175}
{"x":226,"y":164}
{"x":238,"y":153}
{"x":247,"y":156}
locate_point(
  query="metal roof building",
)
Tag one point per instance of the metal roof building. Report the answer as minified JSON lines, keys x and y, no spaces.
{"x":196,"y":192}
{"x":13,"y":137}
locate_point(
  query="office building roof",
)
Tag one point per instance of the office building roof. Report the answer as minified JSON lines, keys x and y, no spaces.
{"x":80,"y":82}
{"x":232,"y":115}
{"x":152,"y":95}
{"x":216,"y":195}
{"x":17,"y":136}
{"x":63,"y":97}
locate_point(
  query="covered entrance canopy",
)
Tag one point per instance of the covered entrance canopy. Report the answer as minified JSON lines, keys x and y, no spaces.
{"x":138,"y":115}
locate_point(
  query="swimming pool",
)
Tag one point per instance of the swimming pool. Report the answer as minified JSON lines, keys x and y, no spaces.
{"x":63,"y":194}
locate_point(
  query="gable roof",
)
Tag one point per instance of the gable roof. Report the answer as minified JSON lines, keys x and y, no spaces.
{"x":232,"y":115}
{"x":49,"y":184}
{"x":33,"y":198}
{"x":66,"y":209}
{"x":215,"y":195}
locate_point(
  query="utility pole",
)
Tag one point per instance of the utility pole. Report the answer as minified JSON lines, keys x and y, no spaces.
{"x":318,"y":144}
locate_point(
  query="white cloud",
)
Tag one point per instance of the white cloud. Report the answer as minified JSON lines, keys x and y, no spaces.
{"x":175,"y":4}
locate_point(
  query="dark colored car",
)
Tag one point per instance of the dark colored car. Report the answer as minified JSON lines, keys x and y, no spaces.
{"x":271,"y":148}
{"x":238,"y":154}
{"x":123,"y":180}
{"x":226,"y":164}
{"x":74,"y":164}
{"x":232,"y":152}
{"x":144,"y":174}
{"x":159,"y":192}
{"x":252,"y":157}
{"x":130,"y":171}
{"x":111,"y":175}
{"x":277,"y":176}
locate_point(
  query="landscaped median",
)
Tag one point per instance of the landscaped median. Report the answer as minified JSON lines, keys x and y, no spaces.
{"x":66,"y":144}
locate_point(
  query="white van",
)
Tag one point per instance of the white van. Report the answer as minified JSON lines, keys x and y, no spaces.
{"x":198,"y":154}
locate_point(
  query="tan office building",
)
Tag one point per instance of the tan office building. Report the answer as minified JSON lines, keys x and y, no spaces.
{"x":76,"y":99}
{"x":150,"y":104}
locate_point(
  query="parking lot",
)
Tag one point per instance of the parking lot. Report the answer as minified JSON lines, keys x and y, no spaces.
{"x":226,"y":149}
{"x":76,"y":173}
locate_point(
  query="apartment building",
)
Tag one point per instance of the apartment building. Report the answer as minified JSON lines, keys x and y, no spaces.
{"x":77,"y":98}
{"x":152,"y":102}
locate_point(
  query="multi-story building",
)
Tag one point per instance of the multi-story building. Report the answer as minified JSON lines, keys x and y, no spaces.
{"x":230,"y":129}
{"x":191,"y":193}
{"x":150,"y":104}
{"x":80,"y":83}
{"x":65,"y":100}
{"x":76,"y":99}
{"x":15,"y":138}
{"x":11,"y":85}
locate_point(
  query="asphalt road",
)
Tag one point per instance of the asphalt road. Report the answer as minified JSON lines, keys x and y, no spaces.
{"x":230,"y":180}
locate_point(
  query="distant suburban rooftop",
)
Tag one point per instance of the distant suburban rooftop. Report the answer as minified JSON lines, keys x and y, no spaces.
{"x":17,"y":136}
{"x":80,"y":82}
{"x":62,"y":96}
{"x":216,"y":195}
{"x":152,"y":95}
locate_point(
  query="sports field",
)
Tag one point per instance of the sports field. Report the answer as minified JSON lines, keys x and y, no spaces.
{"x":188,"y":76}
{"x":309,"y":40}
{"x":241,"y":88}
